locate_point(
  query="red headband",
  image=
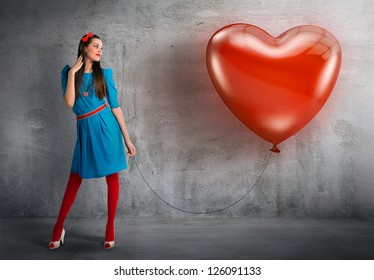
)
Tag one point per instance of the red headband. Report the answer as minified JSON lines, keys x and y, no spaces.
{"x":85,"y":38}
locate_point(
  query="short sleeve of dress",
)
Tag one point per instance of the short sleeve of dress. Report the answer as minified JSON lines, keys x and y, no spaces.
{"x":64,"y":78}
{"x":111,"y":90}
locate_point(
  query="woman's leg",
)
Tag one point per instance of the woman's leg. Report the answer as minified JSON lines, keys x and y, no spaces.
{"x":71,"y":191}
{"x":113,"y":194}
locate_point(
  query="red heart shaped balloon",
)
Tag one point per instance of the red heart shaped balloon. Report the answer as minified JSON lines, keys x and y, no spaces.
{"x":275,"y":86}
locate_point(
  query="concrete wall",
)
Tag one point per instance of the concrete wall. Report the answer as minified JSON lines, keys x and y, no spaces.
{"x":191,"y":149}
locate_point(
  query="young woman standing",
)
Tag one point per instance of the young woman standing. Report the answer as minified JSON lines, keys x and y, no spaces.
{"x":99,"y":149}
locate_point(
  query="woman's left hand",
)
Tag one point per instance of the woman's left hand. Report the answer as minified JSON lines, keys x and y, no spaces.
{"x":131,"y":148}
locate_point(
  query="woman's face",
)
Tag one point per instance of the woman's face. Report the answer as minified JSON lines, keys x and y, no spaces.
{"x":94,"y":50}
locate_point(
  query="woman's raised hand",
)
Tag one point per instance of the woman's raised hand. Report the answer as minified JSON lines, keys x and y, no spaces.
{"x":77,"y":65}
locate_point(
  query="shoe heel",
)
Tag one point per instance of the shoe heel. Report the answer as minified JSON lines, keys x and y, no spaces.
{"x":63,"y":237}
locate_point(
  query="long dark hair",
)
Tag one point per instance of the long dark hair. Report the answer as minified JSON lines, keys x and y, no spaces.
{"x":98,"y":76}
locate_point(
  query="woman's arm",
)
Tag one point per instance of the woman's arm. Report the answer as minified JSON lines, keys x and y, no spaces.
{"x":117,"y":112}
{"x":70,"y":86}
{"x":70,"y":90}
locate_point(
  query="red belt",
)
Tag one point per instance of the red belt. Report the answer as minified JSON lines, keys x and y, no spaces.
{"x":92,"y":112}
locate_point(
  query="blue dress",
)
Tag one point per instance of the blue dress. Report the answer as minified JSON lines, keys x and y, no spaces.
{"x":99,"y":148}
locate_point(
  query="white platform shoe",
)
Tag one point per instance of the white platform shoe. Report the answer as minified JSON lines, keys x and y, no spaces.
{"x":56,"y":244}
{"x":110,"y":244}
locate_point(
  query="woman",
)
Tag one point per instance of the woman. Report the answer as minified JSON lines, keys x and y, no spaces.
{"x":99,"y":149}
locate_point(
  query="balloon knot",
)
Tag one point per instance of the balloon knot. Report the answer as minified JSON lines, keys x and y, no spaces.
{"x":275,"y":149}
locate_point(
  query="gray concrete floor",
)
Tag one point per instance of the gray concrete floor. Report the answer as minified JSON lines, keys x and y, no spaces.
{"x":192,"y":238}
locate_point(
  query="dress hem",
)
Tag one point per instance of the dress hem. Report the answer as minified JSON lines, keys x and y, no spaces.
{"x":100,"y":176}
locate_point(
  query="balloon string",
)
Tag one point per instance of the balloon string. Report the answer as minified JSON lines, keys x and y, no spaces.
{"x":275,"y":149}
{"x":205,"y":212}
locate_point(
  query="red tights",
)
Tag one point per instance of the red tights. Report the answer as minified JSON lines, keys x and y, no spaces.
{"x":71,"y":192}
